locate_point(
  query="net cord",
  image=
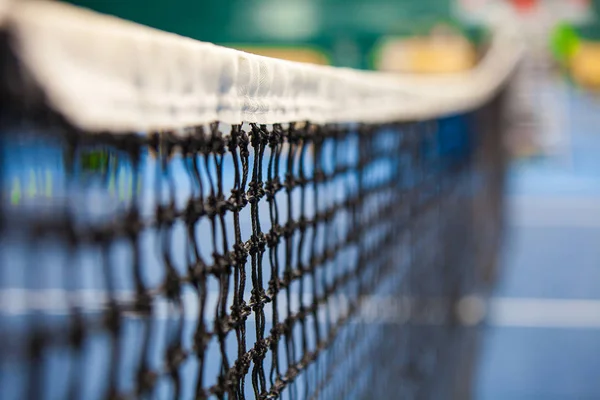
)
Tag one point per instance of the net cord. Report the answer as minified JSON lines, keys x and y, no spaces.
{"x":135,"y":78}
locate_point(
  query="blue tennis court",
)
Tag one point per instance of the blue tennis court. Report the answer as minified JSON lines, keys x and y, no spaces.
{"x":544,"y":336}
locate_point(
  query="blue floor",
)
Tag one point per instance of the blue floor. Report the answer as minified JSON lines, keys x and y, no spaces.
{"x":546,"y":344}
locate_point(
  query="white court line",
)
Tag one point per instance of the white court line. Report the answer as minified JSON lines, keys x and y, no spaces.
{"x":544,"y":313}
{"x":583,"y":212}
{"x":501,"y":312}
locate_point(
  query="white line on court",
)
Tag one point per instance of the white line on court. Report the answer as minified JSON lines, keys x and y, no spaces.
{"x":498,"y":312}
{"x":544,"y":313}
{"x":557,"y":211}
{"x":534,"y":211}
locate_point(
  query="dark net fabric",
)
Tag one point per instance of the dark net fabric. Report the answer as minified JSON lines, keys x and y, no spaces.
{"x":295,"y":261}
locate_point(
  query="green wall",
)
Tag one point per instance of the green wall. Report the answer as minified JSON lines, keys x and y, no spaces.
{"x":345,"y":29}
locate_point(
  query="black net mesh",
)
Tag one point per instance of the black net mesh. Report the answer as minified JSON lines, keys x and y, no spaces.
{"x":296,"y":261}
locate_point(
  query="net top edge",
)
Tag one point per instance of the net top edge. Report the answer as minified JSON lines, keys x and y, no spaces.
{"x":119,"y":76}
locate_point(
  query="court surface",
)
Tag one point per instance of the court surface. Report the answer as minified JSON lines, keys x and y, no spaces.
{"x":544,"y":335}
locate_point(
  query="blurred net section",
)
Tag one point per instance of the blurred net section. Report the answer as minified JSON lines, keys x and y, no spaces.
{"x":297,"y":260}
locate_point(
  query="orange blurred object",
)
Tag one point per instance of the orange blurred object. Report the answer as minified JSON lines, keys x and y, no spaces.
{"x":296,"y":54}
{"x":585,"y":65}
{"x":525,"y":5}
{"x":442,"y":52}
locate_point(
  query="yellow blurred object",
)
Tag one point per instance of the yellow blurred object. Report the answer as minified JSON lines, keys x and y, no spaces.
{"x":585,"y":65}
{"x":432,"y":55}
{"x":299,"y":54}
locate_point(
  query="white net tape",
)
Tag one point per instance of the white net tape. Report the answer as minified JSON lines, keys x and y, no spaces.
{"x":103,"y":73}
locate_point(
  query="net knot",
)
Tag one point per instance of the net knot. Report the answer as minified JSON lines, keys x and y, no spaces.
{"x":240,"y":311}
{"x":272,"y":187}
{"x":289,"y":229}
{"x":164,"y":144}
{"x":215,"y":205}
{"x":154,"y":143}
{"x":246,"y":310}
{"x":165,"y":214}
{"x":225,"y":324}
{"x":133,"y":224}
{"x":242,"y":365}
{"x":258,"y":297}
{"x":294,"y":135}
{"x":329,"y":214}
{"x":290,"y":181}
{"x":175,"y":356}
{"x":194,"y":210}
{"x":172,"y":285}
{"x":276,"y":389}
{"x":237,"y":200}
{"x":112,"y":318}
{"x":143,"y":303}
{"x":147,"y":379}
{"x":197,"y":272}
{"x":302,"y":312}
{"x":258,"y":135}
{"x":256,"y":244}
{"x":223,"y":263}
{"x":277,"y":331}
{"x":227,"y":383}
{"x":276,"y":136}
{"x":274,"y":287}
{"x":132,"y":143}
{"x":98,"y":235}
{"x":319,"y":176}
{"x":289,"y":275}
{"x":260,"y":350}
{"x":255,"y":192}
{"x":78,"y":330}
{"x":302,"y":180}
{"x":201,"y":340}
{"x":234,"y":138}
{"x":217,"y":141}
{"x":195,"y":142}
{"x":241,"y":254}
{"x":302,"y":224}
{"x":244,"y":141}
{"x":274,"y":235}
{"x":317,"y":134}
{"x":293,"y":371}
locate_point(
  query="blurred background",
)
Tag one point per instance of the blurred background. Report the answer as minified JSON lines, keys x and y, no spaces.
{"x":543,"y":335}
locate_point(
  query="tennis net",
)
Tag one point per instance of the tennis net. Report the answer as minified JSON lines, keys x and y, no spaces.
{"x":181,"y":220}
